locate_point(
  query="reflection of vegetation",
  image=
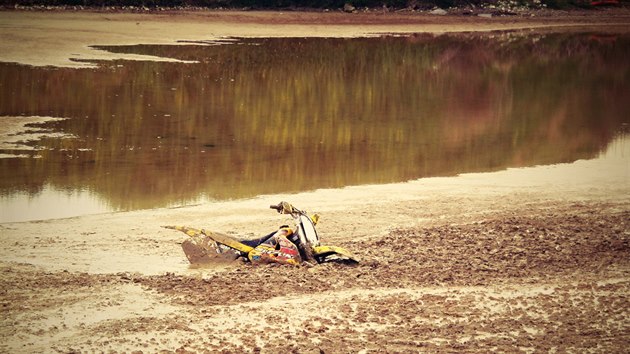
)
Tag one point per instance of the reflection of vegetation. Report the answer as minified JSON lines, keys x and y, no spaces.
{"x":271,"y":115}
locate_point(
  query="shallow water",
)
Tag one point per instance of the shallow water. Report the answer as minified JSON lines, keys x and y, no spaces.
{"x":260,"y":116}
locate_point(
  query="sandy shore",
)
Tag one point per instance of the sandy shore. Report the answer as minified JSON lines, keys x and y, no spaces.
{"x":523,"y":260}
{"x":61,"y":38}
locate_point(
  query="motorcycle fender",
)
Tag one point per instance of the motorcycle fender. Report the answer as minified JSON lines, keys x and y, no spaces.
{"x":324,"y":251}
{"x":228,"y":241}
{"x":201,"y":237}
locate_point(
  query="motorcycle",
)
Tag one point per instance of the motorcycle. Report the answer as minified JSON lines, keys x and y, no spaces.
{"x":296,"y":246}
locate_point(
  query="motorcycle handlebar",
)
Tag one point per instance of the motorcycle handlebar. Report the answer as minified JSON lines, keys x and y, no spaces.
{"x":285,"y":208}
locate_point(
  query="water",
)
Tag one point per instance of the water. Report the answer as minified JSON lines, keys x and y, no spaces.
{"x":257,"y":116}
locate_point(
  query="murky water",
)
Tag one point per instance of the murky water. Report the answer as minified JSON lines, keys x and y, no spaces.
{"x":258,"y":116}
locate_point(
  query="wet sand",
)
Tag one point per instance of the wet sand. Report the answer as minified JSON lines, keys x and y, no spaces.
{"x":522,"y":260}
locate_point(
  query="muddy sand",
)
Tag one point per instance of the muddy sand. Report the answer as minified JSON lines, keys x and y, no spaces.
{"x":523,"y":260}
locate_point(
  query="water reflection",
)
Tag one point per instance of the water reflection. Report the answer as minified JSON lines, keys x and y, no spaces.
{"x":50,"y":203}
{"x":276,"y":115}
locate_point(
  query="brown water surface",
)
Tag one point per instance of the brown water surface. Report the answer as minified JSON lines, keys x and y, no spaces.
{"x":256,"y":116}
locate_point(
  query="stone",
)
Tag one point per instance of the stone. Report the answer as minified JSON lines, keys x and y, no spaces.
{"x":440,"y":12}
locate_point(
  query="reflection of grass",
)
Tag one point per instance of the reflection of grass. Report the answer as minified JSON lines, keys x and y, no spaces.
{"x":294,"y":114}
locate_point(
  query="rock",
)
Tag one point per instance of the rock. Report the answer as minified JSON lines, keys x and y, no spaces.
{"x":485,"y":15}
{"x":440,"y":12}
{"x":349,"y":8}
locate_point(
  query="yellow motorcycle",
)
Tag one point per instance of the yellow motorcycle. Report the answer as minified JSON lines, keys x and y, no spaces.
{"x":293,"y":246}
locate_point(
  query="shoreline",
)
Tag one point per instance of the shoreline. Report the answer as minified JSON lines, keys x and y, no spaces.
{"x":378,"y":209}
{"x":65,"y":38}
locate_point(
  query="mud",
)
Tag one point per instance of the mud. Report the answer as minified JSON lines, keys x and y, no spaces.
{"x":536,"y":279}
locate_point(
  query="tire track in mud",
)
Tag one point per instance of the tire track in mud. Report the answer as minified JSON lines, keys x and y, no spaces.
{"x":513,"y":281}
{"x":505,"y":248}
